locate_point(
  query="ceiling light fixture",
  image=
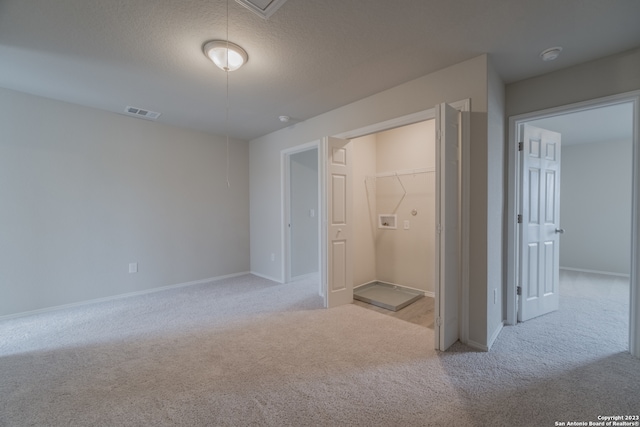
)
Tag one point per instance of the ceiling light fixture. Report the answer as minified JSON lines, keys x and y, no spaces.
{"x":226,"y":55}
{"x":550,"y":54}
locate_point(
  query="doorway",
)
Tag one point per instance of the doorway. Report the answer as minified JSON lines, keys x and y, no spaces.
{"x":394,"y":237}
{"x":302,"y":215}
{"x":598,"y":195}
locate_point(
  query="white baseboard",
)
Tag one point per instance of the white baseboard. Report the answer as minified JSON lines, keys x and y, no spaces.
{"x":119,"y":296}
{"x":606,"y":273}
{"x":494,"y":335}
{"x":492,"y":340}
{"x":477,"y":346}
{"x":305,"y":276}
{"x":364,"y":284}
{"x":264,"y":276}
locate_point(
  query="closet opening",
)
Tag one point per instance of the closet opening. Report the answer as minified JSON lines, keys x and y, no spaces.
{"x":394,"y":211}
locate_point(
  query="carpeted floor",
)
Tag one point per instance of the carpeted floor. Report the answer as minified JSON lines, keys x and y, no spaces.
{"x":246,"y":351}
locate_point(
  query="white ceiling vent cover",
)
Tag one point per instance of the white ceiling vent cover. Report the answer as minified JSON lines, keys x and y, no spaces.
{"x":262,"y":8}
{"x":141,"y":113}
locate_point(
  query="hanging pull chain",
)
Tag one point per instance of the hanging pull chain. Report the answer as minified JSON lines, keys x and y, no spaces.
{"x":227,"y":98}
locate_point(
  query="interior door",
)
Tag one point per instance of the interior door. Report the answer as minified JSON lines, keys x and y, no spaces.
{"x":447,"y":227}
{"x":338,"y":288}
{"x":539,"y":223}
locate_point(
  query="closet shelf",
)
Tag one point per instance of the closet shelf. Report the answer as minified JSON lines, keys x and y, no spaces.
{"x":404,"y":172}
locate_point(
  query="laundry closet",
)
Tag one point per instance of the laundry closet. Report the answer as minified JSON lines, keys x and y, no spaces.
{"x":394,"y":214}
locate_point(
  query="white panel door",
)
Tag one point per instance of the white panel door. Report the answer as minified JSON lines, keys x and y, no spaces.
{"x":339,"y":278}
{"x":539,"y":225}
{"x":447,"y":227}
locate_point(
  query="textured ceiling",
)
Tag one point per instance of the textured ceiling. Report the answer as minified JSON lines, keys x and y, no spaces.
{"x":308,"y":58}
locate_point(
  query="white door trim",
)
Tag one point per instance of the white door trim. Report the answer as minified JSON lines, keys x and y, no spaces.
{"x":448,"y":222}
{"x":513,"y":194}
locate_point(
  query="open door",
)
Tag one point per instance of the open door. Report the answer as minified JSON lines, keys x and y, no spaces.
{"x":447,"y":265}
{"x":338,"y":282}
{"x":539,"y":222}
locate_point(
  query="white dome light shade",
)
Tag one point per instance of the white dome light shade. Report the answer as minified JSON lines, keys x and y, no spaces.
{"x":226,"y":55}
{"x":551,"y":54}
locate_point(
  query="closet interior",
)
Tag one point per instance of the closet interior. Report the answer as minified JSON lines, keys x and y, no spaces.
{"x":394,"y":208}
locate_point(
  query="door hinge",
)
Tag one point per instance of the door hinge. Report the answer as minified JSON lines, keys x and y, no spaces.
{"x":519,"y":218}
{"x":438,"y":322}
{"x":519,"y":290}
{"x":439,"y":228}
{"x":520,"y":146}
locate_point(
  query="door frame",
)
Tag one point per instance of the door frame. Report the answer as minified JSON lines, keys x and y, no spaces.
{"x":464,"y":107}
{"x":285,"y":162}
{"x":513,"y":195}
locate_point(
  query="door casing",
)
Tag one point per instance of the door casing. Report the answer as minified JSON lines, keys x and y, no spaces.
{"x":513,"y":184}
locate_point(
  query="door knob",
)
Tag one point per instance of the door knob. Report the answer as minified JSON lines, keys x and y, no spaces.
{"x":560,"y":230}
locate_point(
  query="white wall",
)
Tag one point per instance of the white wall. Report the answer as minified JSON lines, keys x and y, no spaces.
{"x":304,"y":223}
{"x":495,"y":207}
{"x":465,"y":80}
{"x":595,"y":206}
{"x":406,"y":257}
{"x":84,"y":192}
{"x":603,"y":77}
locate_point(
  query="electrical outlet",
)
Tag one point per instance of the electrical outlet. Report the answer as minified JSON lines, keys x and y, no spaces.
{"x":406,"y":224}
{"x":133,"y":267}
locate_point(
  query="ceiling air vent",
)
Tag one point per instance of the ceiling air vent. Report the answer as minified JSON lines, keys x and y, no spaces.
{"x":141,"y":113}
{"x":262,"y":8}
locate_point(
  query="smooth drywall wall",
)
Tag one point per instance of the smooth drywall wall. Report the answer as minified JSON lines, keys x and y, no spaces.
{"x":496,"y":287}
{"x":364,"y":209}
{"x":406,"y":256}
{"x":466,"y":80}
{"x":595,"y":207}
{"x":304,"y":208}
{"x":596,"y":79}
{"x":83,"y":193}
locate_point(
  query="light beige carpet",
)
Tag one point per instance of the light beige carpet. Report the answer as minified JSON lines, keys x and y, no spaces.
{"x":247,"y":351}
